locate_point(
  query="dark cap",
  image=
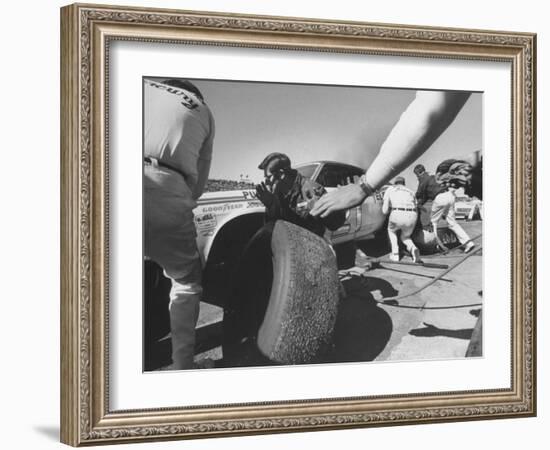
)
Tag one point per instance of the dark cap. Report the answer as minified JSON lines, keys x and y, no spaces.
{"x":283,"y":161}
{"x":399,"y":180}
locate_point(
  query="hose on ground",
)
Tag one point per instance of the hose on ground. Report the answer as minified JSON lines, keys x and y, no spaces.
{"x":393,"y":301}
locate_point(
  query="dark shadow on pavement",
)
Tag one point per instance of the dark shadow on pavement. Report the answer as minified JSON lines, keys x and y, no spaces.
{"x":245,"y":354}
{"x":433,"y":331}
{"x":362,"y":328}
{"x":378,"y":284}
{"x":475,"y":312}
{"x":50,"y":432}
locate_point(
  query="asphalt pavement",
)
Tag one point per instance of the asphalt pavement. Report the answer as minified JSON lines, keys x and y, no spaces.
{"x":379,"y":321}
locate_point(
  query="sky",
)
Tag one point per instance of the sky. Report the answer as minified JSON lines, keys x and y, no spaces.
{"x":319,"y":122}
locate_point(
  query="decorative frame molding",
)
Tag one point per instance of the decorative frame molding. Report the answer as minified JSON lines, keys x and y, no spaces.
{"x":86,"y":31}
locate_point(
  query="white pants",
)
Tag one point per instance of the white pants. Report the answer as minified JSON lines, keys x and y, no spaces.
{"x":170,"y":241}
{"x":405,"y":222}
{"x":443,"y":207}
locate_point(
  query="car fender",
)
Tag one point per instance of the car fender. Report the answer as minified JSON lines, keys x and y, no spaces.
{"x":210,"y":218}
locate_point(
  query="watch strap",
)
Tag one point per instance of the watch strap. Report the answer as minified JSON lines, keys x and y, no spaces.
{"x":367,"y":189}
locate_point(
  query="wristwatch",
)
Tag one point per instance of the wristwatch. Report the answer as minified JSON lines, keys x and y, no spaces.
{"x":365,"y":186}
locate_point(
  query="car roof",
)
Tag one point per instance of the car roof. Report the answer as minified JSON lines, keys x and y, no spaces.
{"x":351,"y":166}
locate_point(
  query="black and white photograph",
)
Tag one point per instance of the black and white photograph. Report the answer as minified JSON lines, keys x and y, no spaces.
{"x":288,"y":224}
{"x":291,"y":221}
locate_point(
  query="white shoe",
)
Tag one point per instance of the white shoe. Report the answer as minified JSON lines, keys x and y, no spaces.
{"x":416,"y":256}
{"x":469,"y":247}
{"x":394,"y":256}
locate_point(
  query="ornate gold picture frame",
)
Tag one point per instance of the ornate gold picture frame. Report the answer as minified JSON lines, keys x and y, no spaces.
{"x":87,"y":32}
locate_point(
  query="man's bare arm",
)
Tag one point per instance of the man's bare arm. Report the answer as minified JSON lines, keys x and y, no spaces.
{"x":424,"y":120}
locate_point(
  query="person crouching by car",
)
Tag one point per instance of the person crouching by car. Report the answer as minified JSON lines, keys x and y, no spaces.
{"x":287,"y":195}
{"x":400,"y":203}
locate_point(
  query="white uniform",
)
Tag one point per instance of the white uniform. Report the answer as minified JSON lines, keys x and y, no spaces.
{"x":400,"y":203}
{"x":443,"y":207}
{"x":178,"y":135}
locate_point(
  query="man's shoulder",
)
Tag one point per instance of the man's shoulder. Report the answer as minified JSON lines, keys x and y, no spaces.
{"x":389,"y":190}
{"x":402,"y":190}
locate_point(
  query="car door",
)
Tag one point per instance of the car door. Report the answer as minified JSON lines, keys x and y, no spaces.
{"x":331,"y":176}
{"x":370,"y":215}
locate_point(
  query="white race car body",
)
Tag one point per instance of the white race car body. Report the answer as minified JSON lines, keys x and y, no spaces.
{"x":217,"y":209}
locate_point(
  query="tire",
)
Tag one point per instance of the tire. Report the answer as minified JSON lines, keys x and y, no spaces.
{"x":302,"y":307}
{"x":426,"y":242}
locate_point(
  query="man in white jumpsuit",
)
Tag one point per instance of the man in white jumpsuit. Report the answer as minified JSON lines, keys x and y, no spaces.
{"x":178,"y":136}
{"x":400,"y":203}
{"x":443,"y":207}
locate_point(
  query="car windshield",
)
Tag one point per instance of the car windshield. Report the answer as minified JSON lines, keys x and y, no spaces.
{"x":307,"y":170}
{"x":334,"y":175}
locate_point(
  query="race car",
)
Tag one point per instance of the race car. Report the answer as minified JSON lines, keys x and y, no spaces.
{"x":226,"y":220}
{"x":223,"y":217}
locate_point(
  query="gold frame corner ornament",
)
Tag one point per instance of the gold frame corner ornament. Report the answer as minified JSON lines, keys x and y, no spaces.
{"x":86,"y":31}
